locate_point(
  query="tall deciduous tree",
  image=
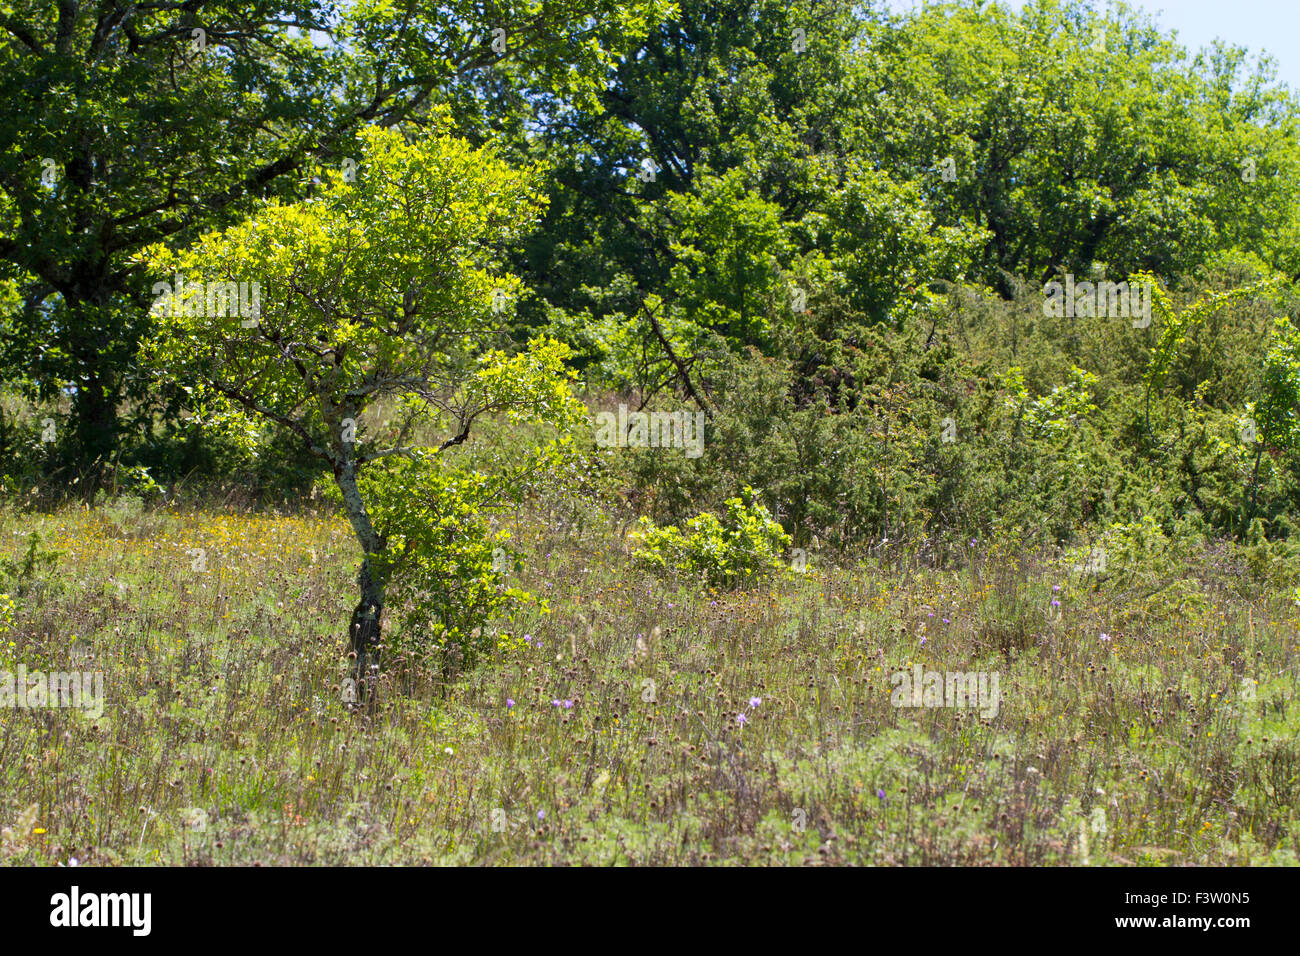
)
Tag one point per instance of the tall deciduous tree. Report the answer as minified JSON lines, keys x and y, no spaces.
{"x":126,"y":124}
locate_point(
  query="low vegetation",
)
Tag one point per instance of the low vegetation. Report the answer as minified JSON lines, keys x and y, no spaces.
{"x":1148,"y":714}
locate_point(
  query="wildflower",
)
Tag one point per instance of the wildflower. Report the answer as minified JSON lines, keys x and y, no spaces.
{"x":568,"y":705}
{"x":880,"y":794}
{"x":555,"y":703}
{"x":448,"y":751}
{"x":923,"y":640}
{"x":742,"y":719}
{"x":946,"y":621}
{"x":1056,"y":587}
{"x":1056,"y":604}
{"x":1105,"y":637}
{"x":509,"y":703}
{"x":755,"y":701}
{"x":541,"y":814}
{"x":528,"y":637}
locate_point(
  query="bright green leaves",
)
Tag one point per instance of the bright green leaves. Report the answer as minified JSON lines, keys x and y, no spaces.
{"x":443,"y":564}
{"x":1132,"y":156}
{"x":386,"y":285}
{"x":562,"y":47}
{"x":887,"y":245}
{"x":531,"y":386}
{"x":1277,"y":411}
{"x":1176,"y":326}
{"x":380,"y":286}
{"x":729,"y":247}
{"x":737,"y":550}
{"x":1058,"y":413}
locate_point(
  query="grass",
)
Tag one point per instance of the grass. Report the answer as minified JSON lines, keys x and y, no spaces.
{"x":223,"y":740}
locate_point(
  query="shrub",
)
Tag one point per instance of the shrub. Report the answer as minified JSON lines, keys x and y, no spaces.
{"x":440,"y":564}
{"x":745,"y":546}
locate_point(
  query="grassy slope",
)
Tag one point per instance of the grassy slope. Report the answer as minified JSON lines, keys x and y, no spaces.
{"x":222,"y":696}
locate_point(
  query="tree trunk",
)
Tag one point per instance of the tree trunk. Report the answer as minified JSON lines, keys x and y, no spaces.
{"x":363,"y":635}
{"x":1254,"y":491}
{"x":93,"y":365}
{"x":365,"y":629}
{"x":95,"y":422}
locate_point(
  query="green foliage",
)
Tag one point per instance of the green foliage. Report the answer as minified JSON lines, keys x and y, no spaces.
{"x":737,"y":550}
{"x":25,"y":572}
{"x":365,"y":290}
{"x":379,"y":292}
{"x":1057,"y":413}
{"x":228,"y":105}
{"x":1175,"y":326}
{"x":1277,"y":410}
{"x":441,"y":563}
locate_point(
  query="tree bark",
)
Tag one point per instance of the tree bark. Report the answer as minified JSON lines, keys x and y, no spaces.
{"x":366,"y":626}
{"x":95,"y":422}
{"x":364,"y":632}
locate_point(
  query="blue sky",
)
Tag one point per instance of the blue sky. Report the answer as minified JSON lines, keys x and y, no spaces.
{"x":1272,"y":26}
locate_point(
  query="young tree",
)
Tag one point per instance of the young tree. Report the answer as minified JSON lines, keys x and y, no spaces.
{"x":379,"y":290}
{"x":127,"y":124}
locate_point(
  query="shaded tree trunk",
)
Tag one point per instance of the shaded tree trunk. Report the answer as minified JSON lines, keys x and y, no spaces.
{"x":94,"y":362}
{"x":364,"y":632}
{"x":366,"y":626}
{"x":95,"y":423}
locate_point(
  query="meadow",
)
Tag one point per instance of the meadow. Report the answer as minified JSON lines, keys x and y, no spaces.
{"x":1148,"y":714}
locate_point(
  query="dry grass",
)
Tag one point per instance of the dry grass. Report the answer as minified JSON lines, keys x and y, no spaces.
{"x":223,"y":740}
